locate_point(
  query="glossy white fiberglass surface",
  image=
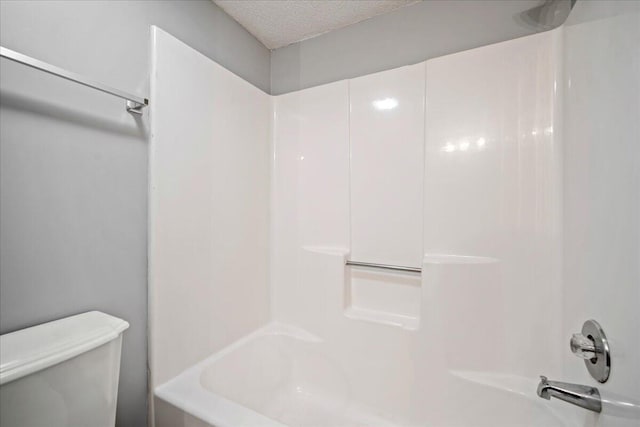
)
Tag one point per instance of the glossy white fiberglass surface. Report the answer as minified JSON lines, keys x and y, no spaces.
{"x":386,"y":124}
{"x":387,"y":151}
{"x":465,"y":344}
{"x":382,"y":355}
{"x":602,"y":196}
{"x":209,"y":201}
{"x":492,"y":189}
{"x":310,"y":188}
{"x":281,"y":376}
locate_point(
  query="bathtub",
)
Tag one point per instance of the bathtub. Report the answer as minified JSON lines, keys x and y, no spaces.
{"x":283,"y":376}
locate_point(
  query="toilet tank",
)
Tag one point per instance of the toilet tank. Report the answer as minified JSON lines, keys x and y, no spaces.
{"x":62,"y":373}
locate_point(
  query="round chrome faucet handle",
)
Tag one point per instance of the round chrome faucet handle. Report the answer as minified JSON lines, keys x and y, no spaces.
{"x":592,"y":346}
{"x":583,"y":347}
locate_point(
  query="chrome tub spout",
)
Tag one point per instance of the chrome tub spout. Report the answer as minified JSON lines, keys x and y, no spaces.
{"x":580,"y":395}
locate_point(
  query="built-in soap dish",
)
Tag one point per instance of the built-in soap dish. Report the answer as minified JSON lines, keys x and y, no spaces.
{"x":389,"y":298}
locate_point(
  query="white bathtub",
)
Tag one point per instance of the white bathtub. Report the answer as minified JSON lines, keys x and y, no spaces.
{"x":283,"y":376}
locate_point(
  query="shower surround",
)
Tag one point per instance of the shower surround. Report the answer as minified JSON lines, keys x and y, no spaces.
{"x":453,"y":166}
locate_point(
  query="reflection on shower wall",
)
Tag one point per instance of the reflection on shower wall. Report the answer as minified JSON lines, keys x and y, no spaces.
{"x":387,"y":150}
{"x":492,"y":182}
{"x":386,"y":174}
{"x":466,"y":187}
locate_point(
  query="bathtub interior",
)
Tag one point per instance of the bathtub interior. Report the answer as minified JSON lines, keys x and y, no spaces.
{"x":295,"y":379}
{"x":288,"y":380}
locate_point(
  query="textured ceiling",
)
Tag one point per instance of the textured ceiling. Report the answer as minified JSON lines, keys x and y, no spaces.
{"x":277,"y":23}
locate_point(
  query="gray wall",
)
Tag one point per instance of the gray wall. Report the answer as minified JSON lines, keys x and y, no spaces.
{"x":73,"y":163}
{"x":406,"y":36}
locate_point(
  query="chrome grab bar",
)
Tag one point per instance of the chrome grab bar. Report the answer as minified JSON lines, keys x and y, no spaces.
{"x":384,"y":266}
{"x":134,"y":104}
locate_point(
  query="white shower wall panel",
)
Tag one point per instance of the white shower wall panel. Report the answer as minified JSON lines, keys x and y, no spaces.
{"x":487,"y":235}
{"x":209,"y":215}
{"x":310,"y":195}
{"x":488,"y":170}
{"x":387,"y":152}
{"x":493,"y":190}
{"x":602,"y":196}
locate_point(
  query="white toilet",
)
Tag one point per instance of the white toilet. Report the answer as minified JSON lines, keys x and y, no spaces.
{"x":62,"y":373}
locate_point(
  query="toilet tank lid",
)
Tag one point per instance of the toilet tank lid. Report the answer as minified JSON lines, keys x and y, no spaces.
{"x":32,"y":349}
